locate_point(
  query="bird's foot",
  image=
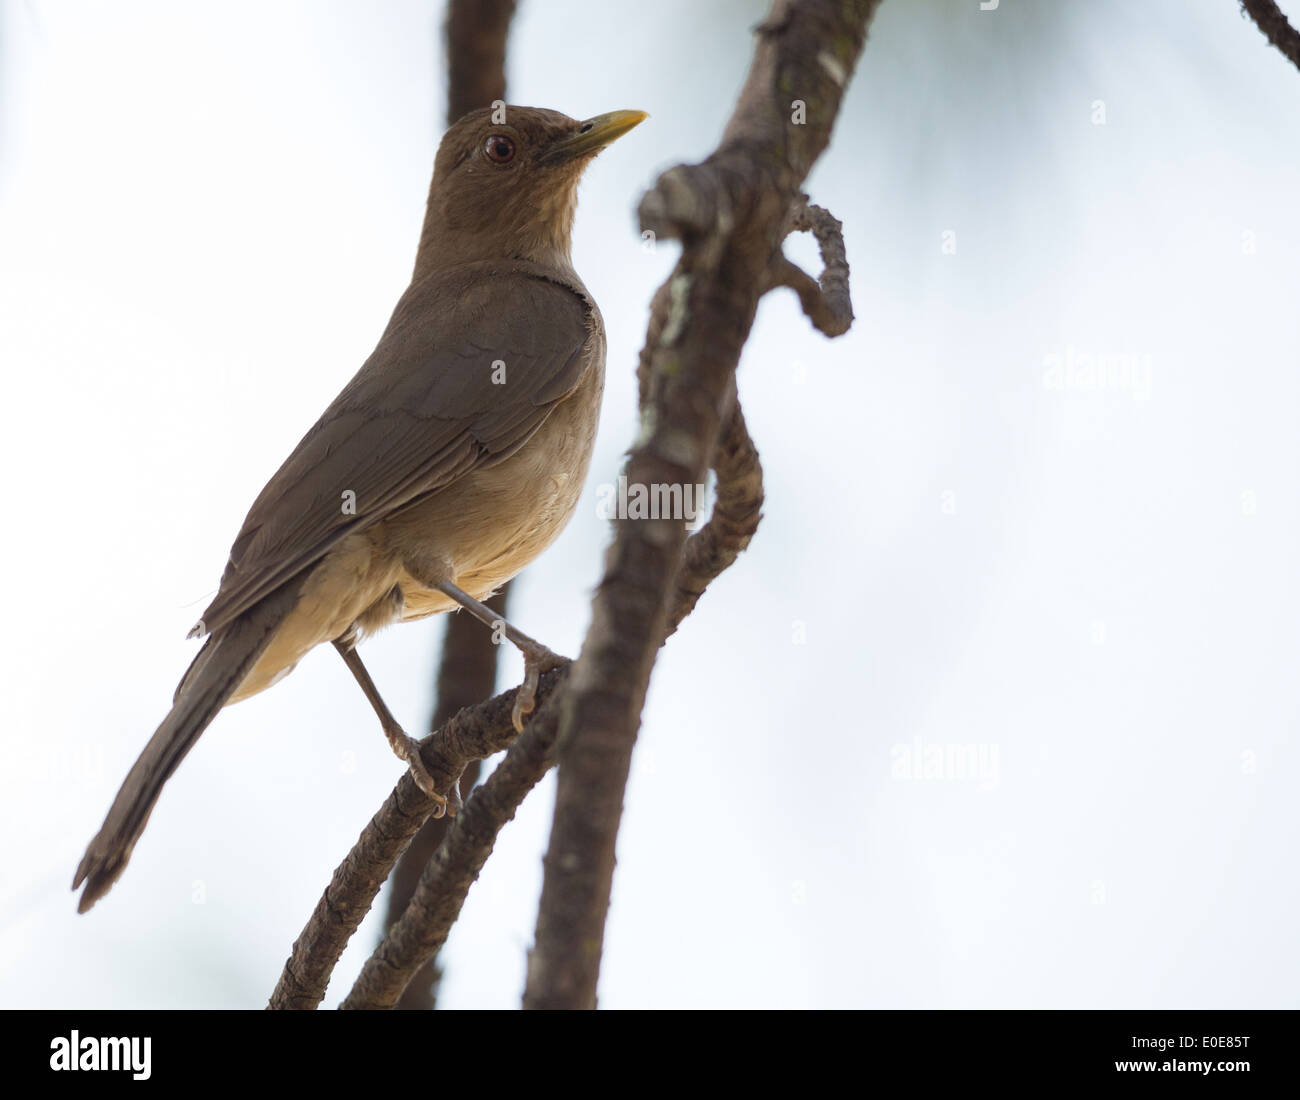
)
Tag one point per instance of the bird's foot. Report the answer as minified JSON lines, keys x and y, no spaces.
{"x":537,"y":660}
{"x":408,"y":748}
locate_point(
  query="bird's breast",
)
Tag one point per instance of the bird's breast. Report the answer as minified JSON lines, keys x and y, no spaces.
{"x":496,"y":519}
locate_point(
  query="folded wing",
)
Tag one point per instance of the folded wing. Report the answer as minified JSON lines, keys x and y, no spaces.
{"x":469,"y":367}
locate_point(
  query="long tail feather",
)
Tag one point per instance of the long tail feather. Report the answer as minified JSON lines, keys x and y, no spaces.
{"x":215,"y":675}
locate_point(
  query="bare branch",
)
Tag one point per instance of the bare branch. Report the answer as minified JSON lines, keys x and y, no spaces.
{"x":826,"y":302}
{"x":1270,"y":19}
{"x":476,"y":54}
{"x":731,"y":214}
{"x":467,"y":674}
{"x":436,"y":903}
{"x":475,"y":733}
{"x":735,"y":518}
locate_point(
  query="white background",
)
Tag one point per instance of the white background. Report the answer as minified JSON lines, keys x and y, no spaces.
{"x":207,"y":212}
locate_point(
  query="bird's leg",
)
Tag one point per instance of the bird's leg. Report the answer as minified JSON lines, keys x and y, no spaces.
{"x":537,"y":658}
{"x":406,"y":747}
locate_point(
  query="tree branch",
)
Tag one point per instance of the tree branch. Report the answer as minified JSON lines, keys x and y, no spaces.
{"x":826,"y":302}
{"x":736,"y":513}
{"x":421,"y":931}
{"x":1270,"y":19}
{"x":467,"y":674}
{"x":476,"y":54}
{"x":475,"y":733}
{"x":731,"y":213}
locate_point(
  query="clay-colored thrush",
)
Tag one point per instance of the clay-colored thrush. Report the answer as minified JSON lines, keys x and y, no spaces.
{"x":452,"y":459}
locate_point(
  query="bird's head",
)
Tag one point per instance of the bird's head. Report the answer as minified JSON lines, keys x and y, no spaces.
{"x":505,"y":184}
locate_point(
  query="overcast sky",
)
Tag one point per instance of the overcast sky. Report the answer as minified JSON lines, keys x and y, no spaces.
{"x":1000,"y":708}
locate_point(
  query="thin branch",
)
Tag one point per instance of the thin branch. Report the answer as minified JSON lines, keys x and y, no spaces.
{"x":731,"y":214}
{"x":736,"y":513}
{"x":1270,"y":19}
{"x":476,"y":54}
{"x":419,"y":934}
{"x":825,"y":302}
{"x":467,"y":674}
{"x":474,"y":734}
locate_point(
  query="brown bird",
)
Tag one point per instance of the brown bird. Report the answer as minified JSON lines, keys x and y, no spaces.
{"x":452,"y":459}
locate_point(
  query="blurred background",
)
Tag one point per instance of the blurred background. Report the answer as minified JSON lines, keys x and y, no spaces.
{"x":1000,"y":708}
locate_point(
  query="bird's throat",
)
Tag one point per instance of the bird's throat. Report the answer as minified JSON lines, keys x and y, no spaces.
{"x":539,"y":231}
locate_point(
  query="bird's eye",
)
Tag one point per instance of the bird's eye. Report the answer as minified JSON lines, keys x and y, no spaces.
{"x":499,"y":149}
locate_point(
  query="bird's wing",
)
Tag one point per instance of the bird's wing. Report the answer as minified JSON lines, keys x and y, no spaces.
{"x":469,"y":367}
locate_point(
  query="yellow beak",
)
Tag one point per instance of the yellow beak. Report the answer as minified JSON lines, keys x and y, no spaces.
{"x":594,"y":134}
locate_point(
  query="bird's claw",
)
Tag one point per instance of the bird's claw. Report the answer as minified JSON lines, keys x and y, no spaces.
{"x":537,"y":660}
{"x":408,"y":748}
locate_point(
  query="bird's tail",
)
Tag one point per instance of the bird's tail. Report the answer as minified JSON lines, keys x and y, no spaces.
{"x":221,"y":666}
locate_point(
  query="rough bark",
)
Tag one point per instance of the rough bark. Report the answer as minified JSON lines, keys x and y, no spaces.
{"x":467,"y":674}
{"x":731,"y":214}
{"x":1269,"y":18}
{"x":475,"y":733}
